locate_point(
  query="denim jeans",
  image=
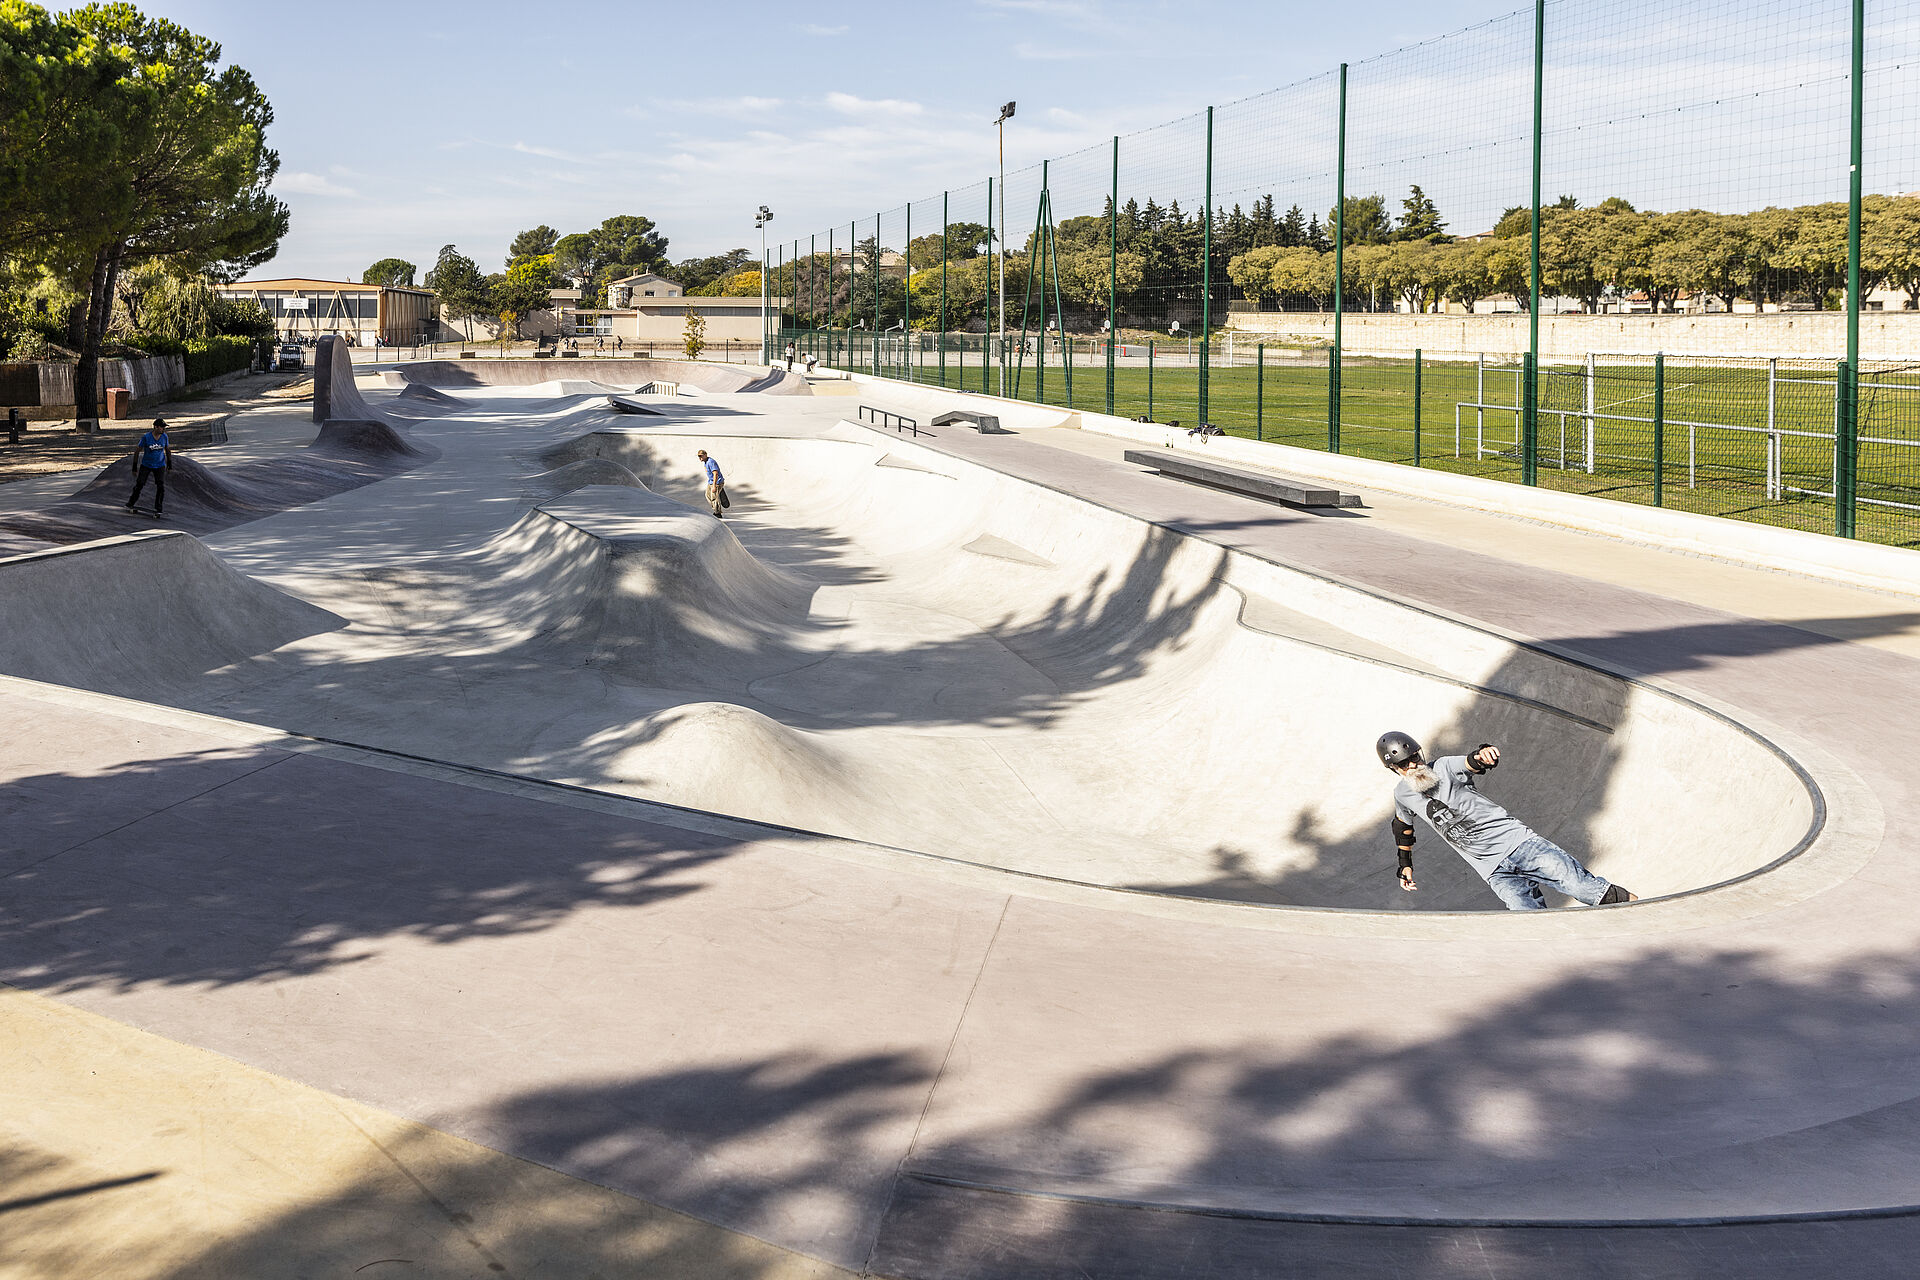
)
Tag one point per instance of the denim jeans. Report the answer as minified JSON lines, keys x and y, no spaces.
{"x":1542,"y":862}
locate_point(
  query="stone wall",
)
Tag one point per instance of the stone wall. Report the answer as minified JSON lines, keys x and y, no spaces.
{"x":1884,"y":335}
{"x":148,"y":378}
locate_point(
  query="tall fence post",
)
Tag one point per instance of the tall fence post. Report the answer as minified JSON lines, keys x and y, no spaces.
{"x":1530,"y":407}
{"x":1260,"y":392}
{"x":1113,"y":268}
{"x":1339,"y":273}
{"x":987,"y":351}
{"x":1150,"y":417}
{"x":1416,"y":406}
{"x":1846,"y":478}
{"x":1659,"y":429}
{"x":1206,"y":276}
{"x":906,"y":297}
{"x":877,"y":273}
{"x":943,"y":292}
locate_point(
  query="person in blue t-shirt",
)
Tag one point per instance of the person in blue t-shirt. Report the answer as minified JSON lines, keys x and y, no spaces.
{"x":716,"y":484}
{"x":151,"y":459}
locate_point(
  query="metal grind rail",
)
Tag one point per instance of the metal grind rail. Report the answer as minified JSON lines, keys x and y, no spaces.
{"x":885,"y":418}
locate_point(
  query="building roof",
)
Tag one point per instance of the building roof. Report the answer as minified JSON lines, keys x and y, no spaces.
{"x":644,"y":275}
{"x":325,"y":286}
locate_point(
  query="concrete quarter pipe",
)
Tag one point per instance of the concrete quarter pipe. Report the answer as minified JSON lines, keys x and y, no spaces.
{"x":938,"y":873}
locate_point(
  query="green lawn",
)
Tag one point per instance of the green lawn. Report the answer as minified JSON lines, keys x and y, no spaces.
{"x":1712,"y":466}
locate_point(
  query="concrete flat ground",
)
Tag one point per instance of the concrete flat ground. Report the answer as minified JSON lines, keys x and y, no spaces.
{"x":984,"y":927}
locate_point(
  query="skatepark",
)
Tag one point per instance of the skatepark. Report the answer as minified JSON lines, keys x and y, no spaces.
{"x":965,"y":859}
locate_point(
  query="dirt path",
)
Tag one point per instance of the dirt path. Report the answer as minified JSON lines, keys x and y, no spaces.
{"x":192,"y":420}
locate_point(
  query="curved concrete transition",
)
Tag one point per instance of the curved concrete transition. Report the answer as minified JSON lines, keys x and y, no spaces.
{"x":608,"y":374}
{"x":1048,"y":673}
{"x":967,"y":859}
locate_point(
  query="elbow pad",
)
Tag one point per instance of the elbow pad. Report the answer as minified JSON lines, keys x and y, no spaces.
{"x":1402,"y":832}
{"x":1473,"y":760}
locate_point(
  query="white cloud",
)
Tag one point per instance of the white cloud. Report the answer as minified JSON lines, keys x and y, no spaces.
{"x":545,"y":153}
{"x":1031,"y":52}
{"x":815,"y":29}
{"x":848,"y":105}
{"x":310,"y":184}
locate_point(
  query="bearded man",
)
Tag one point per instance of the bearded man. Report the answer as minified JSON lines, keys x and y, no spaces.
{"x":1513,"y":860}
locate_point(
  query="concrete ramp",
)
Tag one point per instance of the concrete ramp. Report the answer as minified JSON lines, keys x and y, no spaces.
{"x":568,"y":477}
{"x":335,"y":394}
{"x":608,"y":375}
{"x":140,"y":614}
{"x":625,"y":580}
{"x":363,"y":440}
{"x":421,"y":395}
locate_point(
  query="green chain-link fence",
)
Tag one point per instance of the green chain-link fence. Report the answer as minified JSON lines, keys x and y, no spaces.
{"x":1664,"y":254}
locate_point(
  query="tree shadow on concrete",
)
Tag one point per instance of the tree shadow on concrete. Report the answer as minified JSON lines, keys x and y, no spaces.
{"x":1554,"y":1097}
{"x":276,"y":864}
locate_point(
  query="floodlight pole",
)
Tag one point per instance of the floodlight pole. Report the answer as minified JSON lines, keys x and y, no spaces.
{"x":1000,"y":127}
{"x":760,"y":221}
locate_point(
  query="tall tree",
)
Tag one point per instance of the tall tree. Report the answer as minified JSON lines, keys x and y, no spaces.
{"x":1419,"y":218}
{"x":1292,"y":231}
{"x":524,"y":288}
{"x":462,"y":289}
{"x":532,"y":244}
{"x":56,"y":119}
{"x":1367,"y":221}
{"x":626,"y":238}
{"x":179,"y":171}
{"x":390,"y":272}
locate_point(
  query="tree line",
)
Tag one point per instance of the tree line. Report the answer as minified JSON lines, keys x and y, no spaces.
{"x":134,"y":172}
{"x":1794,"y":256}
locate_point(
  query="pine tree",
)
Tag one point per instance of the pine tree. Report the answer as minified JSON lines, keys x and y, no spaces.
{"x":1292,"y":233}
{"x":1419,"y":218}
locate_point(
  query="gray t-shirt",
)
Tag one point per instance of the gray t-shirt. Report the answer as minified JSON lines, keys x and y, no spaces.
{"x":1478,"y":829}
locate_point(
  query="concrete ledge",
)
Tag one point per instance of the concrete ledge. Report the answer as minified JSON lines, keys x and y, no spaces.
{"x":1817,"y":555}
{"x":1252,"y":483}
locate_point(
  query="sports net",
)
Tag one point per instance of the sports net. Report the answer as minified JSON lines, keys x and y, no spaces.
{"x":1349,"y":263}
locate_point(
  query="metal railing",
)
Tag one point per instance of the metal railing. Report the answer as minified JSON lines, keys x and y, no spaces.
{"x":887,"y":418}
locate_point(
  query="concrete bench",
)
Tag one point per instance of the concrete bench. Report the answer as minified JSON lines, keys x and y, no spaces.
{"x":1255,"y":484}
{"x":985,"y":423}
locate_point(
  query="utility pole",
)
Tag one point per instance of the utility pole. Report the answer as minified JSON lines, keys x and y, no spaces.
{"x":1000,"y":125}
{"x":760,"y":221}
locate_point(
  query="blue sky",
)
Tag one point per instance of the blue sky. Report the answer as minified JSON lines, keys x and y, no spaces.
{"x":405,"y":125}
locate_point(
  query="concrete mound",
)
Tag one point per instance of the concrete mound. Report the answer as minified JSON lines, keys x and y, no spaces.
{"x":622,"y":373}
{"x":356,"y":439}
{"x":138,"y":614}
{"x":583,"y":474}
{"x":727,"y":758}
{"x":624,"y":579}
{"x":194,"y":491}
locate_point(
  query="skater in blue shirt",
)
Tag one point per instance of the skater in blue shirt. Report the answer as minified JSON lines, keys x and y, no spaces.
{"x":152,"y":457}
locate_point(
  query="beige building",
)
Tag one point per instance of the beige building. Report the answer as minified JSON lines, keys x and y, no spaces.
{"x":651,"y":311}
{"x":360,"y":313}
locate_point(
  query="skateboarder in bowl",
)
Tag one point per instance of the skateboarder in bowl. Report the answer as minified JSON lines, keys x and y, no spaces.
{"x":716,"y":484}
{"x":1513,"y":860}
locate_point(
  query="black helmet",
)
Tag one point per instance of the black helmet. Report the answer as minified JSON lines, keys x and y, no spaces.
{"x":1396,"y":748}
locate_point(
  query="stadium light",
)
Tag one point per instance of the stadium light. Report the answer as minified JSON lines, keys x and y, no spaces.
{"x":760,"y":221}
{"x":1000,"y":126}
